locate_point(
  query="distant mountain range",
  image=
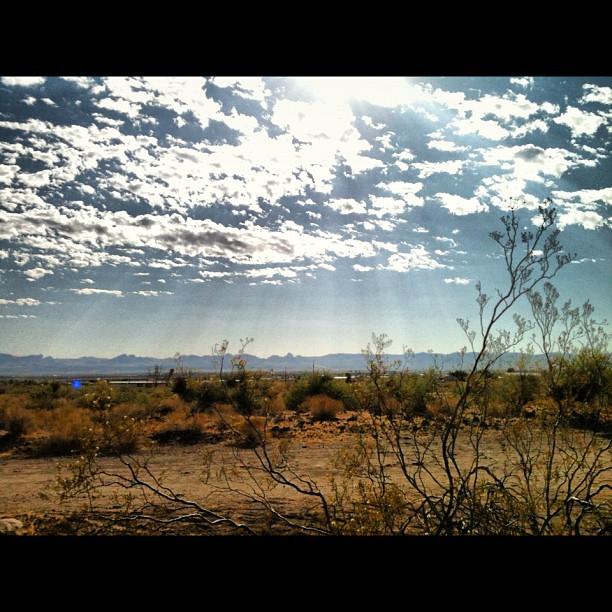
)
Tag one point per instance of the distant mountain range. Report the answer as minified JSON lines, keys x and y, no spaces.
{"x":39,"y":365}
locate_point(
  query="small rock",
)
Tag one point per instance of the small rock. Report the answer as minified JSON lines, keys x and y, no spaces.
{"x":10,"y":526}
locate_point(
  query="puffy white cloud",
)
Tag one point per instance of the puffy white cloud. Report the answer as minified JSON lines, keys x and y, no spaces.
{"x":120,"y":106}
{"x":382,"y":206}
{"x":346,"y":206}
{"x":360,"y":268}
{"x":92,"y":291}
{"x":21,"y":302}
{"x":531,"y":162}
{"x":8,"y":173}
{"x":522,"y":81}
{"x":36,"y":273}
{"x":506,"y":191}
{"x":22,"y":81}
{"x":594,"y":93}
{"x":327,"y":267}
{"x":151,"y":293}
{"x":426,"y":169}
{"x":580,"y":122}
{"x":457,"y":280}
{"x":446,"y":240}
{"x":416,"y":259}
{"x":445,"y":145}
{"x":486,"y":128}
{"x":458,"y":205}
{"x":528,"y":127}
{"x":251,"y":88}
{"x":588,"y":219}
{"x":405,"y":190}
{"x":586,"y":197}
{"x":386,"y":92}
{"x":83,"y":82}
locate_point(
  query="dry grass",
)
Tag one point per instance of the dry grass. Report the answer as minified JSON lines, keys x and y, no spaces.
{"x":181,"y":426}
{"x":251,"y":432}
{"x":68,"y":430}
{"x":323,"y":408}
{"x":16,"y":421}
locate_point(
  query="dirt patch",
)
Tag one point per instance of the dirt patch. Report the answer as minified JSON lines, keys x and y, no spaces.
{"x":28,"y":484}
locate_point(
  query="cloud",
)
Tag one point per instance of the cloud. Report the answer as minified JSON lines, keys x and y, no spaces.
{"x":446,"y":240}
{"x":22,"y":81}
{"x":531,"y":162}
{"x":8,"y":173}
{"x":488,"y":129}
{"x":586,"y":197}
{"x":82,"y":82}
{"x":151,"y":293}
{"x":580,"y":122}
{"x":426,"y":169}
{"x":445,"y":145}
{"x":405,"y":190}
{"x":21,"y":302}
{"x":347,"y":206}
{"x":382,"y":206}
{"x":588,"y":219}
{"x":457,"y":280}
{"x":416,"y":259}
{"x":360,"y":268}
{"x":92,"y":291}
{"x":599,"y":95}
{"x":458,"y":205}
{"x":524,"y":82}
{"x":506,"y":191}
{"x":36,"y":273}
{"x":120,"y":106}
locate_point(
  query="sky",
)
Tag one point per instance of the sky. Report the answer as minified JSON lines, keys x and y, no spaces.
{"x":158,"y":215}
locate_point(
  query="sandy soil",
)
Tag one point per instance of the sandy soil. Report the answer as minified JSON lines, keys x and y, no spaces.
{"x":27,"y":485}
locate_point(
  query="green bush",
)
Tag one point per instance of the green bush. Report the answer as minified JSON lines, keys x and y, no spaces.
{"x":517,"y":390}
{"x":208,"y":393}
{"x":319,"y":384}
{"x":586,"y":378}
{"x":180,"y":386}
{"x":44,"y":396}
{"x":413,"y":391}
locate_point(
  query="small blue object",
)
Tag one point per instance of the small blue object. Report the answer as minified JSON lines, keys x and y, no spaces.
{"x":76,"y":384}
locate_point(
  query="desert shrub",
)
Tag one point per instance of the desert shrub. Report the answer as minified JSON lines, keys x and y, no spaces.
{"x":517,"y":390}
{"x":179,"y":426}
{"x":69,"y":430}
{"x":586,"y":378}
{"x":16,"y":420}
{"x":323,"y":408}
{"x":414,"y":391}
{"x":185,"y":387}
{"x":250,"y":432}
{"x":250,"y":394}
{"x":100,"y":398}
{"x":44,"y":396}
{"x":459,"y":374}
{"x":208,"y":393}
{"x":319,"y":384}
